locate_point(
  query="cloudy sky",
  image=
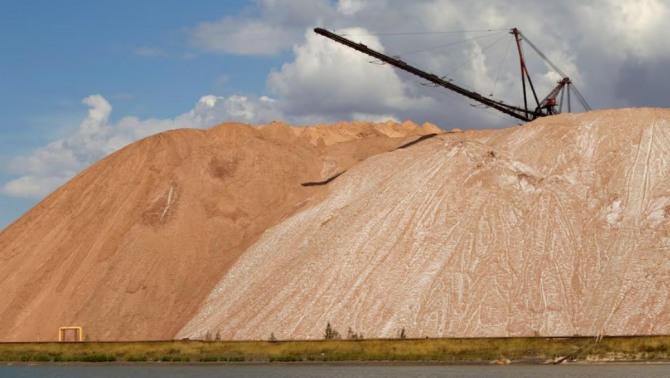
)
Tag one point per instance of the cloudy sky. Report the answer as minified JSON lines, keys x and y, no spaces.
{"x":80,"y":79}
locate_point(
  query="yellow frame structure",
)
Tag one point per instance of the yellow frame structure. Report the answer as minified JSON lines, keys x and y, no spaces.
{"x":78,"y":333}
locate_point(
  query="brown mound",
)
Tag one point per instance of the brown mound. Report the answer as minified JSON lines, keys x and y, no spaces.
{"x":556,"y":228}
{"x":130,"y":247}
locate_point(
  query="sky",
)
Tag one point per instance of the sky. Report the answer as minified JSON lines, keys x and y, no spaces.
{"x":80,"y":79}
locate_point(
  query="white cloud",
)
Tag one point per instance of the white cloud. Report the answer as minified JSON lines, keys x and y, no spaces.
{"x":350,"y":7}
{"x":98,"y":114}
{"x":33,"y":186}
{"x":52,"y":165}
{"x":374,"y":117}
{"x":295,"y":14}
{"x":622,"y":28}
{"x":276,"y":27}
{"x":242,"y":37}
{"x":594,"y":42}
{"x":332,"y":80}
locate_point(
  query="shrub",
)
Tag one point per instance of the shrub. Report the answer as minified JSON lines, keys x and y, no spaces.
{"x":98,"y":357}
{"x":136,"y":358}
{"x":41,"y":357}
{"x":351,"y":335}
{"x":289,"y":357}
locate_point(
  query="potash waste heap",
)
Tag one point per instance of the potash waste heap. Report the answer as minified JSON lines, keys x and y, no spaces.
{"x":558,"y":227}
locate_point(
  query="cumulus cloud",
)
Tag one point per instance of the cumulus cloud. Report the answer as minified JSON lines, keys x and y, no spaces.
{"x":622,"y":29}
{"x":275,"y":28}
{"x":61,"y":159}
{"x":350,"y":7}
{"x":242,"y":37}
{"x":600,"y":44}
{"x":333,"y":80}
{"x":31,"y":186}
{"x":52,"y":165}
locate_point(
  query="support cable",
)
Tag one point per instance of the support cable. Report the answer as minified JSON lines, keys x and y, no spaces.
{"x":495,"y":82}
{"x":423,"y":33}
{"x":442,"y":46}
{"x":581,"y":98}
{"x":551,"y":64}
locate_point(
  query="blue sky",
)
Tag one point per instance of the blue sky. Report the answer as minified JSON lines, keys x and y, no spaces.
{"x":80,"y":79}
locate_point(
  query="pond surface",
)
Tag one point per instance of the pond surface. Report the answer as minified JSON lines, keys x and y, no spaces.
{"x":335,"y":371}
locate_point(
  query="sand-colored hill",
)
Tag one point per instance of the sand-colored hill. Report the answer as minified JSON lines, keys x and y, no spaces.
{"x":131,"y":247}
{"x":556,"y":228}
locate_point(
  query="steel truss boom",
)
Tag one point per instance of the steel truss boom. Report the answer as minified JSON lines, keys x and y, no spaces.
{"x":545,"y":107}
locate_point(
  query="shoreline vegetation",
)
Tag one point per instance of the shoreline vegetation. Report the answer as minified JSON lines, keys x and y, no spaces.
{"x":529,"y":350}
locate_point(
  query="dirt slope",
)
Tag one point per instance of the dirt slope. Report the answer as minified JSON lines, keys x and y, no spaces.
{"x":560,"y":227}
{"x":130,"y":247}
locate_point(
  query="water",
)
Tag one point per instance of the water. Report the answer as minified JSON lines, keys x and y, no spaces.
{"x":334,"y":371}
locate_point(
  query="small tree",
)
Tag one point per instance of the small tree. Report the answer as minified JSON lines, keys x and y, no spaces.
{"x":402,"y":333}
{"x":330,"y":333}
{"x":218,"y":336}
{"x":272,"y":339}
